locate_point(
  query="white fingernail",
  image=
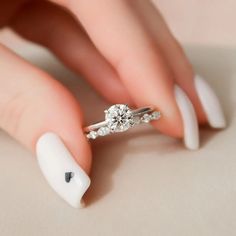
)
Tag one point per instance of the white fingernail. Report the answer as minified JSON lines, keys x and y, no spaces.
{"x":60,"y":169}
{"x":190,"y":123}
{"x":210,"y":103}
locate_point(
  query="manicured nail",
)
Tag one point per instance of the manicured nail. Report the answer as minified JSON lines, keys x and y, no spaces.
{"x":210,"y":103}
{"x":190,"y":123}
{"x":60,"y":169}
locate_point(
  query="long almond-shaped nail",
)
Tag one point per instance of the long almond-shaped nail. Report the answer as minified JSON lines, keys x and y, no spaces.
{"x":190,"y":123}
{"x":60,"y":169}
{"x":210,"y":103}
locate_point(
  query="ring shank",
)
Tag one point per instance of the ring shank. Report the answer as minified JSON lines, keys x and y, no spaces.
{"x":142,"y":111}
{"x":137,"y":112}
{"x":95,"y":126}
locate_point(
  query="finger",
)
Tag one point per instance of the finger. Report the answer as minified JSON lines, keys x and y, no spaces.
{"x":131,"y":53}
{"x":139,"y":62}
{"x":202,"y":96}
{"x":43,"y":115}
{"x":60,"y":32}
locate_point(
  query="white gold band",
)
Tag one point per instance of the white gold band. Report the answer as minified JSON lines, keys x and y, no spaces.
{"x":119,"y":118}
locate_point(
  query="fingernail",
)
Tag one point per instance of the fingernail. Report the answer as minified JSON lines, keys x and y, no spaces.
{"x":60,"y":169}
{"x":210,"y":103}
{"x":190,"y":123}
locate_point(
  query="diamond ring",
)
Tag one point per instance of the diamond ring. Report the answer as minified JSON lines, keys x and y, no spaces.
{"x":119,"y":118}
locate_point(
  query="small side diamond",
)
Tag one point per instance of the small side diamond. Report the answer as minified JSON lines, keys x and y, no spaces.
{"x":92,"y":135}
{"x":146,"y":118}
{"x":103,"y":131}
{"x":155,"y":115}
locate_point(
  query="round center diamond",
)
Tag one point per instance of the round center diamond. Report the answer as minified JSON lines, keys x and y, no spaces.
{"x":119,"y":118}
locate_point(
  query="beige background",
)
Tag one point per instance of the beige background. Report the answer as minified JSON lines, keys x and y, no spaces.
{"x":143,"y":183}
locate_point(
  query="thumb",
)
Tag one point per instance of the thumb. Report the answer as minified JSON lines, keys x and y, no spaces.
{"x":44,"y":116}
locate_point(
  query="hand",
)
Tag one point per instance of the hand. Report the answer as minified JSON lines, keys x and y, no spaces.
{"x":125,"y":50}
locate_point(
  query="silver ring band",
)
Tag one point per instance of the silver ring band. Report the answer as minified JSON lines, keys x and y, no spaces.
{"x":119,"y":118}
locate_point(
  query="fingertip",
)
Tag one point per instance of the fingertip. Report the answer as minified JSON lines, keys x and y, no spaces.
{"x":168,"y":124}
{"x":61,"y":171}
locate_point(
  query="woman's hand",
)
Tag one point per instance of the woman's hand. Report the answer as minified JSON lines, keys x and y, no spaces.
{"x":125,"y":50}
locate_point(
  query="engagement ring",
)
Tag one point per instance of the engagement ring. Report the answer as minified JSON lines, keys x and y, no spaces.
{"x":119,"y":118}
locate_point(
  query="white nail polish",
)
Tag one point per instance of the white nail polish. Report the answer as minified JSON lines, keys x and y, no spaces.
{"x":190,"y":123}
{"x":60,"y":169}
{"x":210,"y":103}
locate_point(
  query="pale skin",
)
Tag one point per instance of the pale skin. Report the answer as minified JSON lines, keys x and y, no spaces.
{"x":123,"y":45}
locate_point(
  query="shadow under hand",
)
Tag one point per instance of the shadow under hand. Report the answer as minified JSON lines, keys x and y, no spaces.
{"x":109,"y":152}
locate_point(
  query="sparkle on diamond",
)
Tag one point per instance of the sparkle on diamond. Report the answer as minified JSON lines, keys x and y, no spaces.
{"x":119,"y":118}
